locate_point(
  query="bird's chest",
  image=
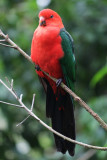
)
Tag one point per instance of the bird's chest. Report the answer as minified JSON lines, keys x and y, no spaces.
{"x":47,"y":52}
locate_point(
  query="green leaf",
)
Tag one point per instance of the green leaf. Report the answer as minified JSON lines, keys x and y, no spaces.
{"x":98,"y":76}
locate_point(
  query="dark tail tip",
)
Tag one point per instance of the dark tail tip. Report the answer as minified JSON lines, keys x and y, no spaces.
{"x":61,"y":112}
{"x":63,"y":122}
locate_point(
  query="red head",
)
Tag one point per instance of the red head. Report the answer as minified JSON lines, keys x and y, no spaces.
{"x":48,"y":17}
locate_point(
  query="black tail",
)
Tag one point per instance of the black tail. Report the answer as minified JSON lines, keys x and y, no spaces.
{"x":62,"y":115}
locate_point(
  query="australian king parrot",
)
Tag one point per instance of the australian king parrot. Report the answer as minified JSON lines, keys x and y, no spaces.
{"x":52,"y":50}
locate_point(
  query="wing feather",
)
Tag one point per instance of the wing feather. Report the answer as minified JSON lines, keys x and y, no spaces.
{"x":68,"y":62}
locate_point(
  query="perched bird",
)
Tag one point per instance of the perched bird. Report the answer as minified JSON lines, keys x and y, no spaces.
{"x":52,"y":51}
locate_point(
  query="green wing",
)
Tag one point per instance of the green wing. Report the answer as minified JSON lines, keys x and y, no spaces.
{"x":68,"y":61}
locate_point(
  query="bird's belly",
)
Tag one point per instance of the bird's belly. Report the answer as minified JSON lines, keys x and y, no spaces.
{"x":52,"y":66}
{"x":50,"y":63}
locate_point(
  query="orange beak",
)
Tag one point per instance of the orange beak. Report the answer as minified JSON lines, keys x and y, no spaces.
{"x":42,"y":21}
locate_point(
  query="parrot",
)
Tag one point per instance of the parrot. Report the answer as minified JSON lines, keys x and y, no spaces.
{"x":52,"y":50}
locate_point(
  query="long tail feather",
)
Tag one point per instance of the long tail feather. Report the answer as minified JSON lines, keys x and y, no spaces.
{"x":61,"y":112}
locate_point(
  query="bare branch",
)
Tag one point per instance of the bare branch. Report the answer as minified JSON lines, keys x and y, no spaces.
{"x":2,"y":40}
{"x":7,"y":45}
{"x":7,"y":39}
{"x":11,"y":84}
{"x":22,"y":121}
{"x":76,"y":98}
{"x":11,"y":104}
{"x":33,"y":100}
{"x":45,"y":125}
{"x":21,"y":97}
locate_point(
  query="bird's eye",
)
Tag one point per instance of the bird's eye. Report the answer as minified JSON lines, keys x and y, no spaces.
{"x":51,"y":16}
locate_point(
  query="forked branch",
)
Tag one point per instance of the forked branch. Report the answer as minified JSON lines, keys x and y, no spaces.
{"x":12,"y":91}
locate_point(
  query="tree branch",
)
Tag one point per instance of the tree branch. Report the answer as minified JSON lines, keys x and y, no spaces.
{"x":7,"y":45}
{"x":76,"y":98}
{"x":11,"y":104}
{"x":22,"y":121}
{"x":7,"y":39}
{"x":11,"y":90}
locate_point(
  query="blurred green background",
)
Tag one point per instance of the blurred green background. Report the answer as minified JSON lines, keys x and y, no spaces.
{"x":86,"y":21}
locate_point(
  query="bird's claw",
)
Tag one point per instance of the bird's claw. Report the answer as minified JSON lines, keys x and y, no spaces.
{"x":58,"y":82}
{"x":37,"y":67}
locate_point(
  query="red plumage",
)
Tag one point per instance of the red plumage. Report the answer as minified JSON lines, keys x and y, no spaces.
{"x":46,"y":52}
{"x":46,"y":49}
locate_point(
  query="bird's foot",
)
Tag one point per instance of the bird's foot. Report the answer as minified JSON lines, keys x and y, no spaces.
{"x":37,"y":67}
{"x":58,"y":82}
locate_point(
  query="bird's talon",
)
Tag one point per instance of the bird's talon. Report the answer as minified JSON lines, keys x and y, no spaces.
{"x":37,"y":67}
{"x":58,"y":82}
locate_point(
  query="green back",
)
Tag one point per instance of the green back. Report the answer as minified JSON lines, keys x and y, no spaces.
{"x":68,"y":61}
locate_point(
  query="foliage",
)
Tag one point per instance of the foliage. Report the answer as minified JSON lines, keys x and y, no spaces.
{"x":99,"y":76}
{"x":86,"y":22}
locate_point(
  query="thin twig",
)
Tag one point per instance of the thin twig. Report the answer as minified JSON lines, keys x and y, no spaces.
{"x":6,"y":45}
{"x":33,"y":100}
{"x":22,"y":121}
{"x":2,"y":40}
{"x":21,"y":97}
{"x":11,"y":84}
{"x":11,"y":104}
{"x":45,"y":125}
{"x":7,"y":39}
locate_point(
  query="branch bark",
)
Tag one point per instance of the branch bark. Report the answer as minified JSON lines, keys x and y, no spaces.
{"x":12,"y":91}
{"x":76,"y":98}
